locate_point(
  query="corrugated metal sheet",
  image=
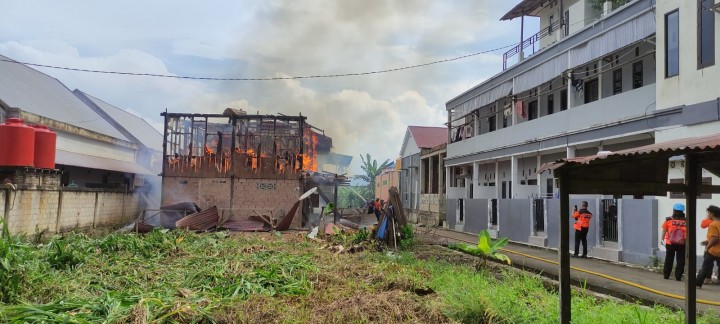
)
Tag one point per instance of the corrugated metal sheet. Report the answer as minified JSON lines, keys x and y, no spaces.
{"x":201,"y":221}
{"x":35,"y":92}
{"x":680,"y":146}
{"x":136,"y":126}
{"x":95,"y":162}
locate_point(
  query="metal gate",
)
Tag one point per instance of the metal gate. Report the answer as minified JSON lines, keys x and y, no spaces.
{"x":539,"y":213}
{"x":609,"y":214}
{"x":494,"y":212}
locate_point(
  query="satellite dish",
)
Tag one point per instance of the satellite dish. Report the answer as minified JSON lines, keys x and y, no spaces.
{"x":308,"y":193}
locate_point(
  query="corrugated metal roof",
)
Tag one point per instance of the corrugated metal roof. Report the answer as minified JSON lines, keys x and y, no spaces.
{"x":675,"y":147}
{"x":428,"y":137}
{"x":132,"y":124}
{"x":35,"y":92}
{"x":524,"y":8}
{"x":95,"y":162}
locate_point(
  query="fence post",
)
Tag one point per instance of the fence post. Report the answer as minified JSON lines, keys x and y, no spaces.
{"x":95,"y":211}
{"x":59,"y":211}
{"x":6,"y":217}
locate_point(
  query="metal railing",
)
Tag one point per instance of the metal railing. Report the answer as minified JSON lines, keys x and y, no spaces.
{"x":530,"y":42}
{"x":609,"y":214}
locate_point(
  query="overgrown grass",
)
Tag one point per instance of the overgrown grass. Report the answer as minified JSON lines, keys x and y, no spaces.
{"x":184,"y":277}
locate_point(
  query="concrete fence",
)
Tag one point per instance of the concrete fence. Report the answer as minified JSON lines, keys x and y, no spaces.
{"x":58,"y":210}
{"x":620,"y":230}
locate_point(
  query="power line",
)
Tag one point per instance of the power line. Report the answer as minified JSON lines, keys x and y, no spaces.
{"x":319,"y":76}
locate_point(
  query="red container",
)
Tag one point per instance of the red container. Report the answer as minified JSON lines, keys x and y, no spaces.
{"x":45,"y":141}
{"x":17,"y":144}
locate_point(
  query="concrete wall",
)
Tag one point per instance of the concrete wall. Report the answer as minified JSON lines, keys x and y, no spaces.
{"x":515,"y":219}
{"x":552,"y":219}
{"x":450,"y":213}
{"x":639,"y":227}
{"x":64,"y":210}
{"x":384,"y":182}
{"x":476,"y":218}
{"x":268,"y":197}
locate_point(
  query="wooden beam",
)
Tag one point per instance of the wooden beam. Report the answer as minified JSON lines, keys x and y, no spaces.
{"x":564,"y":251}
{"x":692,"y":179}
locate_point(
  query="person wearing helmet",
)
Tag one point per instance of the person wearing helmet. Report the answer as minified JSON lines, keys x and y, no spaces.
{"x":674,"y":234}
{"x":712,"y":245}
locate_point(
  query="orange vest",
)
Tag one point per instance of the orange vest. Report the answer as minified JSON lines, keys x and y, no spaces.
{"x":671,"y":225}
{"x":582,"y":220}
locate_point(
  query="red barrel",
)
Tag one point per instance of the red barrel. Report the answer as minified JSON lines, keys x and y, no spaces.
{"x":45,"y":141}
{"x":17,"y":144}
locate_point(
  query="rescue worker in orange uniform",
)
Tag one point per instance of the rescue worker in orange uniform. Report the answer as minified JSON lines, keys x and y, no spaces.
{"x":582,"y":225}
{"x":674,"y":234}
{"x":712,"y":246}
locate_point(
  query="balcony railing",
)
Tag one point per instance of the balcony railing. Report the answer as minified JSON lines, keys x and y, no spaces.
{"x":530,"y":42}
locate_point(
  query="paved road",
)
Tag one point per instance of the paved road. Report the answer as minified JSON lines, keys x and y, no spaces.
{"x":636,"y":275}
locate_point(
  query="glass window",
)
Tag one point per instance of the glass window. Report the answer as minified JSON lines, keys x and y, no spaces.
{"x":637,"y":75}
{"x":492,"y":123}
{"x":563,"y":100}
{"x":533,"y":110}
{"x":551,"y":104}
{"x":617,"y":81}
{"x":706,"y":33}
{"x":672,"y":44}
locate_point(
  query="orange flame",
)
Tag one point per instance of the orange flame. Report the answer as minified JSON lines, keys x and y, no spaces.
{"x":208,"y":150}
{"x":309,"y":159}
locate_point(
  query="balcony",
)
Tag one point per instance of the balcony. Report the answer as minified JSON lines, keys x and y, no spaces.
{"x":531,"y":42}
{"x":605,"y":112}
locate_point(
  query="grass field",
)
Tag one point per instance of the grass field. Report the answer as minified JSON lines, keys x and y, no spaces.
{"x":227,"y":278}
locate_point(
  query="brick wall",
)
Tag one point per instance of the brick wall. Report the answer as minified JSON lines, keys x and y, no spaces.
{"x":37,"y":210}
{"x":265,"y":196}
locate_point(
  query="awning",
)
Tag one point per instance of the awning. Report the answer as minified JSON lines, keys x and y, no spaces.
{"x":524,"y":8}
{"x":100,"y":163}
{"x":669,"y":148}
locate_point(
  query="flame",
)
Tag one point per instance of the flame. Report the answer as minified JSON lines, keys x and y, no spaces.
{"x":309,"y":158}
{"x":208,"y":150}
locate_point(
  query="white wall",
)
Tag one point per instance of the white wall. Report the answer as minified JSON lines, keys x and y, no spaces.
{"x":410,"y":147}
{"x":692,"y":85}
{"x":83,"y":145}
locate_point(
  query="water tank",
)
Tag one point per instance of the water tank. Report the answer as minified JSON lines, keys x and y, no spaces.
{"x":45,"y":140}
{"x":17,"y":144}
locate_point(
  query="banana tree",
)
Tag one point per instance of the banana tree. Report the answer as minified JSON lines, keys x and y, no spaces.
{"x":486,"y":248}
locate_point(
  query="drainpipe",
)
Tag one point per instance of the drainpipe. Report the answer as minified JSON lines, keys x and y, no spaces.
{"x":521,"y":54}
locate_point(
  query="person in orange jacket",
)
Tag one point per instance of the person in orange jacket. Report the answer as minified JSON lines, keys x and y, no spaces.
{"x":704,"y":224}
{"x":674,"y":234}
{"x":712,"y":246}
{"x":582,"y":225}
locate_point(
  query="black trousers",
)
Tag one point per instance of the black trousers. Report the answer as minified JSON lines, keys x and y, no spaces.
{"x":678,"y":253}
{"x":707,"y":268}
{"x":581,"y":236}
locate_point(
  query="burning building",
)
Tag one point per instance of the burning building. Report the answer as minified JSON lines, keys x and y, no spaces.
{"x":243,"y":164}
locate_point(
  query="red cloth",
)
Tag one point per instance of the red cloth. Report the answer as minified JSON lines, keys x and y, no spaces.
{"x":520,"y":109}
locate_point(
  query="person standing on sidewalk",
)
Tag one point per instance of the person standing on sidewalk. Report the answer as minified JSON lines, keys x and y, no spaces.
{"x":712,"y":245}
{"x":582,"y":225}
{"x":674,"y":234}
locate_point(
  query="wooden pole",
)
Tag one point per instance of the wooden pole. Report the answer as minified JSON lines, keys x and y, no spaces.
{"x":564,"y":251}
{"x":691,"y":179}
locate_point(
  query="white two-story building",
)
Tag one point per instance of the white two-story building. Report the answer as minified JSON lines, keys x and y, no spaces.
{"x":586,"y":82}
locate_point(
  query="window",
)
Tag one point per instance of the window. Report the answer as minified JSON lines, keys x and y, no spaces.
{"x":637,"y":75}
{"x":563,"y":100}
{"x":706,"y":33}
{"x":672,"y":44}
{"x":550,"y":104}
{"x":492,"y":123}
{"x":506,"y":120}
{"x":617,"y":81}
{"x":533,"y":110}
{"x":591,"y":91}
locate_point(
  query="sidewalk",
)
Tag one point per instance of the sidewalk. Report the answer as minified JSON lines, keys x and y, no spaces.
{"x":639,"y":276}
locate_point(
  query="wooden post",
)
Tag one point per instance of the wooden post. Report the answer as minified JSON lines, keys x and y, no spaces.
{"x":335,"y":202}
{"x":59,"y":211}
{"x":691,"y":180}
{"x":564,"y":251}
{"x":95,"y":212}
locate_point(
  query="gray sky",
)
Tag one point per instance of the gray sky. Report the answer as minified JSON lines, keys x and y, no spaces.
{"x":266,"y":38}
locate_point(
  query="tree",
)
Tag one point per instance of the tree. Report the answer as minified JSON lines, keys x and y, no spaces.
{"x":372,"y":170}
